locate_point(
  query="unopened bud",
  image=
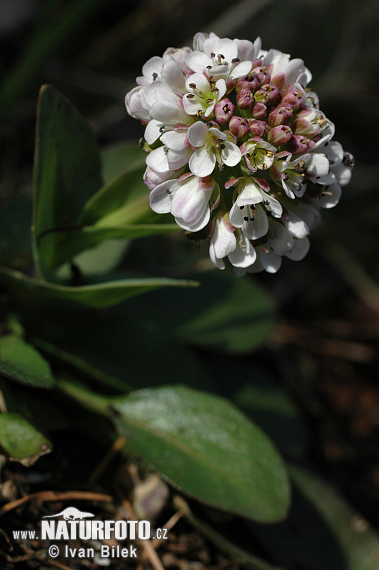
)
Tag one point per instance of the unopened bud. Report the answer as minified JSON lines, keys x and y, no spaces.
{"x":257,"y":128}
{"x":268,"y":94}
{"x":298,"y":144}
{"x":280,"y":116}
{"x":259,"y":110}
{"x":261,"y":75}
{"x":238,"y":126}
{"x":293,"y":96}
{"x":245,"y":99}
{"x":223,"y":110}
{"x":279,"y":135}
{"x":242,"y":83}
{"x":230,"y":84}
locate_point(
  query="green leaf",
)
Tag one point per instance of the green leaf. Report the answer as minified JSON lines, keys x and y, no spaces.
{"x":67,"y":172}
{"x":207,"y":448}
{"x":124,"y":188}
{"x":360,"y":544}
{"x":20,"y":440}
{"x":32,"y":292}
{"x":15,"y":241}
{"x":122,"y":156}
{"x":239,"y":319}
{"x":226,"y":313}
{"x":87,"y":237}
{"x":21,"y":362}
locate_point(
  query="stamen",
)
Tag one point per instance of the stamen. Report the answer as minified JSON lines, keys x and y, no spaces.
{"x":155,"y":76}
{"x":246,"y":218}
{"x":168,"y":191}
{"x":162,"y":128}
{"x":242,"y":207}
{"x":190,"y":96}
{"x":209,"y":101}
{"x":192,"y":85}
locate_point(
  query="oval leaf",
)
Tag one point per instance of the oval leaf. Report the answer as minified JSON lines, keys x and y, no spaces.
{"x":208,"y":448}
{"x":21,"y":362}
{"x":20,"y":440}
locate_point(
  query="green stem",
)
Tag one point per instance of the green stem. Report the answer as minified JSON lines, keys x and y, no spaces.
{"x":85,"y":397}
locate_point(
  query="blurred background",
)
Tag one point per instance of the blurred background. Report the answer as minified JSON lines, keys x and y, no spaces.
{"x":324,"y":351}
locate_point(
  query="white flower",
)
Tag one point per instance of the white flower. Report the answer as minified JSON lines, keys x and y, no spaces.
{"x":213,"y":146}
{"x":248,"y":212}
{"x":223,"y":241}
{"x":203,"y":94}
{"x":231,"y":110}
{"x":186,"y":198}
{"x":219,"y":58}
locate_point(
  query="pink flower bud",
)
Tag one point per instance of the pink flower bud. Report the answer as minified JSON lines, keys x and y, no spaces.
{"x":223,"y":110}
{"x":298,"y":144}
{"x":280,"y":116}
{"x":279,"y":135}
{"x":245,"y":99}
{"x":261,"y":75}
{"x":238,"y":126}
{"x":293,"y":96}
{"x":230,"y":84}
{"x":242,"y":83}
{"x":268,"y":94}
{"x":259,"y":110}
{"x":257,"y":128}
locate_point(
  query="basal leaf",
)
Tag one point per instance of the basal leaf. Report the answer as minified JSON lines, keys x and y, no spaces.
{"x":207,"y":448}
{"x":67,"y":172}
{"x":21,"y":362}
{"x":36,"y":293}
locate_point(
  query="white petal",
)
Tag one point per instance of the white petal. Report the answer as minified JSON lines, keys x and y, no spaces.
{"x":192,"y":106}
{"x":201,"y":82}
{"x":246,"y":49}
{"x":295,"y":225}
{"x":231,"y":154}
{"x":299,"y":250}
{"x":249,"y":195}
{"x":152,"y":131}
{"x":342,"y":174}
{"x":243,"y":256}
{"x":218,"y":262}
{"x":257,"y":228}
{"x":157,"y":160}
{"x":224,"y":240}
{"x":273,"y":205}
{"x":202,"y":162}
{"x":332,"y":196}
{"x":173,"y":76}
{"x":168,"y":112}
{"x":197,"y":225}
{"x":190,"y":201}
{"x":221,"y":86}
{"x":236,"y":215}
{"x":177,"y":159}
{"x":334,"y":152}
{"x":198,"y":61}
{"x":157,"y":91}
{"x":318,"y":164}
{"x":161,"y":197}
{"x":226,"y":47}
{"x":197,"y":133}
{"x":151,"y":67}
{"x":241,"y":69}
{"x":174,"y":140}
{"x":270,"y":261}
{"x":293,"y":70}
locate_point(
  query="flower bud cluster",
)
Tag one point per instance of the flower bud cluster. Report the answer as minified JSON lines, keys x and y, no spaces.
{"x":238,"y":149}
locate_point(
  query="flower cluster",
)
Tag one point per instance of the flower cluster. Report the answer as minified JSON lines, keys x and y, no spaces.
{"x":239,"y":150}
